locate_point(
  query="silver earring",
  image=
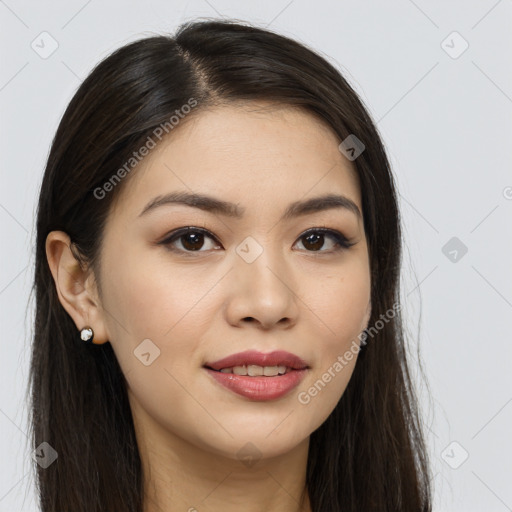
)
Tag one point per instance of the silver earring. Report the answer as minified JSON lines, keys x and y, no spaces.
{"x":87,"y":334}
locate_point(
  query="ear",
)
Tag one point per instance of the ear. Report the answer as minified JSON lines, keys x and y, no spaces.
{"x":76,"y":287}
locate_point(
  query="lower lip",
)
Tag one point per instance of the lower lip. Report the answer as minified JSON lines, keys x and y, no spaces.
{"x":259,"y":388}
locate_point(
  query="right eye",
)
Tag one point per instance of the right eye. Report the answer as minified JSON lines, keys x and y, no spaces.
{"x":190,"y":238}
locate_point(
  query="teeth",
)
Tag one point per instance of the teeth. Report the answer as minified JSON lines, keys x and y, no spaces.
{"x":254,"y":370}
{"x":271,"y":371}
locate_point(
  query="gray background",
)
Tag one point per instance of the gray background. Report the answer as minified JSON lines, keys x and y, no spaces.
{"x":445,"y":117}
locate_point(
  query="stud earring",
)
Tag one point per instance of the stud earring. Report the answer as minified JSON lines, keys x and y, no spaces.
{"x":87,"y":335}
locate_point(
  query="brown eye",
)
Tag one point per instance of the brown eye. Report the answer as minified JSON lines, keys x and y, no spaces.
{"x":314,"y":240}
{"x":191,"y":240}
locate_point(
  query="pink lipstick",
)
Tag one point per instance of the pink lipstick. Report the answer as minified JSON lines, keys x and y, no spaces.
{"x":259,"y":376}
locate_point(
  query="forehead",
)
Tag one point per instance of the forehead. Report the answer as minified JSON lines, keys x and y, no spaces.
{"x":251,"y":152}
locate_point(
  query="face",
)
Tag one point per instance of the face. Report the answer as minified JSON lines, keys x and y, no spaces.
{"x":249,"y":278}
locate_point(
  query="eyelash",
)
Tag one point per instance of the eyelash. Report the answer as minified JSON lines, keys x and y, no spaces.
{"x":339,"y":238}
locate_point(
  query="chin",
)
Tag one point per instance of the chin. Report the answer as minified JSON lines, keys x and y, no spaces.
{"x":252,"y":445}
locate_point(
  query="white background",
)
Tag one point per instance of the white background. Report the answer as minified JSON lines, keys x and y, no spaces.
{"x":446,"y":123}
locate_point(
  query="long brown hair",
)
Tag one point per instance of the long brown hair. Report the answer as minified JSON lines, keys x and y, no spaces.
{"x":369,"y":455}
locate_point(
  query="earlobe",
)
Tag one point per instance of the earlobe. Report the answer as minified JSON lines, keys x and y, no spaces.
{"x":72,"y":284}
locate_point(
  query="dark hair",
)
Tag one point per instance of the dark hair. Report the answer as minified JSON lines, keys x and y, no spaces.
{"x":369,"y":454}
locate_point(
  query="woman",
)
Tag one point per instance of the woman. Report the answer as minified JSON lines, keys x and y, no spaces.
{"x":217,"y":285}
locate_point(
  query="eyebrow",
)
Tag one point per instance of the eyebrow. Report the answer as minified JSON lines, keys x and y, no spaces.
{"x":217,"y":206}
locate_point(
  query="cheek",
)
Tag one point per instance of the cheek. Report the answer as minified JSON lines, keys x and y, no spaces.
{"x":155,"y":302}
{"x":340,"y":304}
{"x":149,"y":294}
{"x":148,"y":298}
{"x":339,"y":309}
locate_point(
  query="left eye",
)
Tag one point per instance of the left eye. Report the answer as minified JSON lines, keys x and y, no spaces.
{"x":315,"y":238}
{"x":192,"y":240}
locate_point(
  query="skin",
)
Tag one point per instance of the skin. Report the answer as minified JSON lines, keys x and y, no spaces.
{"x":201,"y":306}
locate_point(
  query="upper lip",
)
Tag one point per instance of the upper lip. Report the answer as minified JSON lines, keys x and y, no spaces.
{"x":276,"y":358}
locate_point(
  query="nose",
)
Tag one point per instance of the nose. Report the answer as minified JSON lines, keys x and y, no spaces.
{"x":262,"y":293}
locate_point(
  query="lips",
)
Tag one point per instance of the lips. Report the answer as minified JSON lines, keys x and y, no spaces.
{"x":253,"y":357}
{"x":258,"y":388}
